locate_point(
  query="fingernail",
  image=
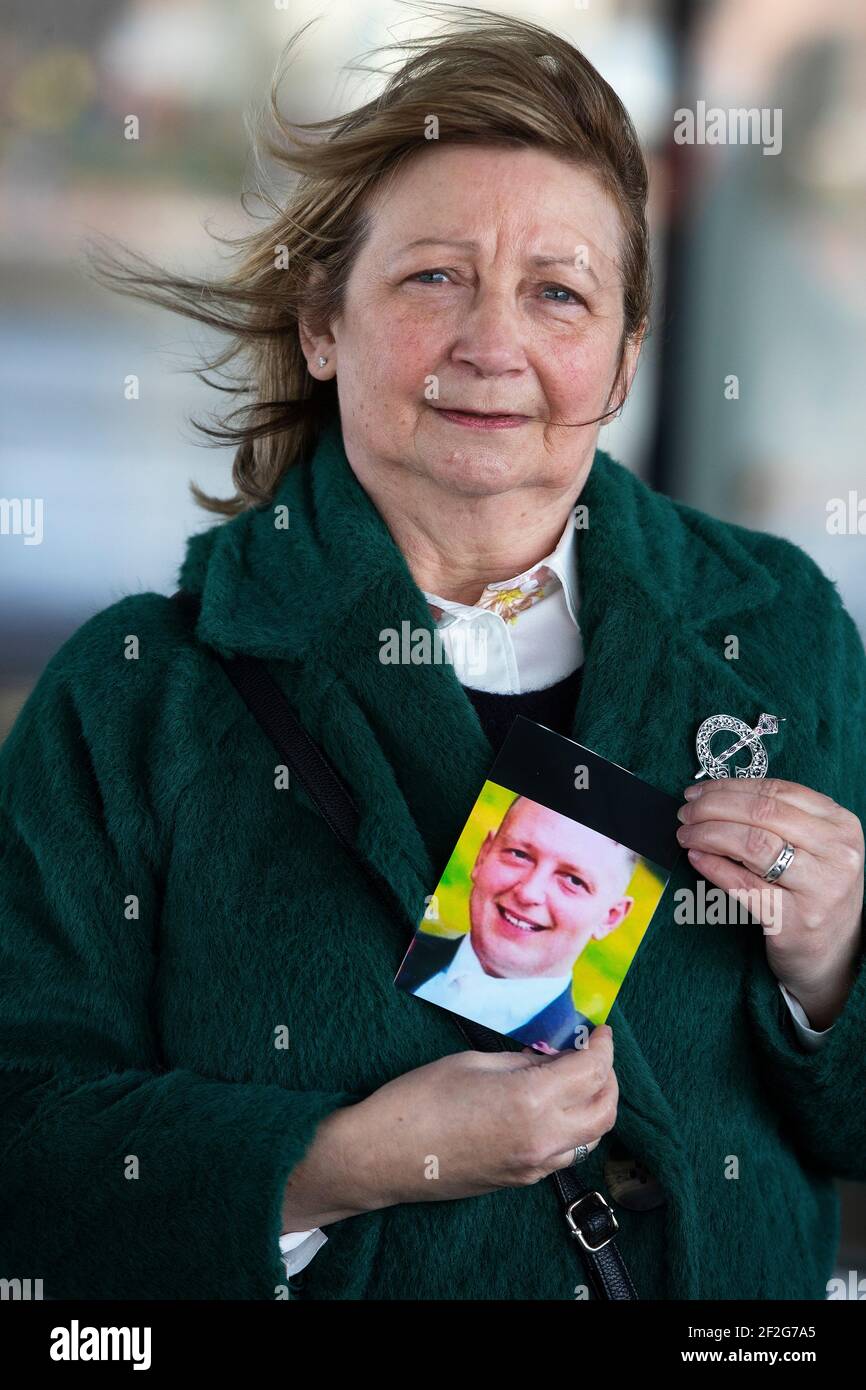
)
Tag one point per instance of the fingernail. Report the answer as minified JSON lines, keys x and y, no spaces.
{"x":691,"y":792}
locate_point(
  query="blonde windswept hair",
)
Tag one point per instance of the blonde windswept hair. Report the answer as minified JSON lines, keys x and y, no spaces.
{"x":489,"y":79}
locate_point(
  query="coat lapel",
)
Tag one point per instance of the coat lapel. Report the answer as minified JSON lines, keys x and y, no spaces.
{"x":657,"y":600}
{"x":660,"y":590}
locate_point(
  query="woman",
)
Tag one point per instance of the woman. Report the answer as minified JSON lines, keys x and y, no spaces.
{"x":210,"y":1081}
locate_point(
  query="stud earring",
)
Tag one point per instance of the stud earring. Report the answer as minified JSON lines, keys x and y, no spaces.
{"x":322,"y":361}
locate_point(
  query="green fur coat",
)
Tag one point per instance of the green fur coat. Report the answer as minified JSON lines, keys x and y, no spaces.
{"x":171,"y":916}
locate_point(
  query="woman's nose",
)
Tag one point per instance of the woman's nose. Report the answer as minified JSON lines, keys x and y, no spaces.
{"x":491,"y":336}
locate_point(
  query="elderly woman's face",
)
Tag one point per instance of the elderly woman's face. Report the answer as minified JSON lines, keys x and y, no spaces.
{"x":485,"y":308}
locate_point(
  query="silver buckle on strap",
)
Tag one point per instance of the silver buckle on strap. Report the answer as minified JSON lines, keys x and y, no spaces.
{"x":575,"y":1229}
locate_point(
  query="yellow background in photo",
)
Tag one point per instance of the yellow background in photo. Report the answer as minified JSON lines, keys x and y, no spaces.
{"x":601,"y":967}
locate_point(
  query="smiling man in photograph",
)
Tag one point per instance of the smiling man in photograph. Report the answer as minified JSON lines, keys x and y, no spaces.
{"x":542,"y":887}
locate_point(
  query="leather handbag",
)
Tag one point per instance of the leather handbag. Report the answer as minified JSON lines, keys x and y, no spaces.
{"x":589,"y":1219}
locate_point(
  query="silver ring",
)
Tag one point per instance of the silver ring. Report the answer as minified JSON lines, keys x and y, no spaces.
{"x":580,"y":1153}
{"x":779,"y":865}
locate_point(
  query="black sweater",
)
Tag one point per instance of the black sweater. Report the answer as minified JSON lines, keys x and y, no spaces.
{"x":553,"y":707}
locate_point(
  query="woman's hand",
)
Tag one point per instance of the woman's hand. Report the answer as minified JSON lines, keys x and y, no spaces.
{"x":458,"y":1127}
{"x":813,"y":914}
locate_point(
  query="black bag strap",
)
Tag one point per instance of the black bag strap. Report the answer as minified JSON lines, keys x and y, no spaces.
{"x":588,"y":1215}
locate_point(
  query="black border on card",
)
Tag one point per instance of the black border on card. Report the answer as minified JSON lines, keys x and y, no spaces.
{"x":538,"y":763}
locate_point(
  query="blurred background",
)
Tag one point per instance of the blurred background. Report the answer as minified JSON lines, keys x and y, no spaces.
{"x":749,"y":401}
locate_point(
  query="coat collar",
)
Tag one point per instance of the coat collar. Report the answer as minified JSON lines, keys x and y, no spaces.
{"x":278,"y":592}
{"x":661,"y":587}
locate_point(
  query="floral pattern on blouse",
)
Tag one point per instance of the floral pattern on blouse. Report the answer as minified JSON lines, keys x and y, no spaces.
{"x":513,"y":596}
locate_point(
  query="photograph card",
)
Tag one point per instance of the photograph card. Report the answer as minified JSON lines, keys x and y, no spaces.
{"x":548,"y":893}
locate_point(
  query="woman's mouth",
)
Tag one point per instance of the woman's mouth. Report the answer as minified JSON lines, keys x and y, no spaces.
{"x":521,"y":924}
{"x":479,"y":420}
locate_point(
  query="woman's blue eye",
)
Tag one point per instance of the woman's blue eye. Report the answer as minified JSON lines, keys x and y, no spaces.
{"x":560,"y":289}
{"x":427,"y":272}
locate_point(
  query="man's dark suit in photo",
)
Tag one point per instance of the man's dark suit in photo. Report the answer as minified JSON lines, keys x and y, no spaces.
{"x":556,"y":1023}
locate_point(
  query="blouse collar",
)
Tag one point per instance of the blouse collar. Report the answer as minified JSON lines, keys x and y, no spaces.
{"x":509,"y":597}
